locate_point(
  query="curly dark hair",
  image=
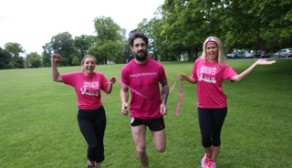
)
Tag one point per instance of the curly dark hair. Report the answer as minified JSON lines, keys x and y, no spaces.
{"x":138,"y":35}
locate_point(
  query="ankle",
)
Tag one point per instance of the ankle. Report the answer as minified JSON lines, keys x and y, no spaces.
{"x":208,"y":155}
{"x":90,"y":164}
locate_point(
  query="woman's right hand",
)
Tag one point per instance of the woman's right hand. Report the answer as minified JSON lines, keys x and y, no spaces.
{"x":181,"y":76}
{"x":55,"y":58}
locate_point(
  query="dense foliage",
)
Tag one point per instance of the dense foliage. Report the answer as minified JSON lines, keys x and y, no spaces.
{"x":176,"y":32}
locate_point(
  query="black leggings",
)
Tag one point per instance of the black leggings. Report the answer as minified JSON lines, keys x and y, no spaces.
{"x":92,"y":124}
{"x":211,"y":122}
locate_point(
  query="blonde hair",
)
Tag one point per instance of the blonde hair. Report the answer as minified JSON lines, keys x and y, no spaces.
{"x":220,"y":57}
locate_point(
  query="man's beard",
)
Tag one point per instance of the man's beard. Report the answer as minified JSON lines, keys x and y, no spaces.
{"x":139,"y":57}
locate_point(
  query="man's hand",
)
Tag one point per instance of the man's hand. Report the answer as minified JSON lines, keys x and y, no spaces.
{"x":125,"y":109}
{"x":163,"y":109}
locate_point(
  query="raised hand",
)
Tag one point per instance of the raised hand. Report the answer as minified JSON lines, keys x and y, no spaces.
{"x":55,"y":58}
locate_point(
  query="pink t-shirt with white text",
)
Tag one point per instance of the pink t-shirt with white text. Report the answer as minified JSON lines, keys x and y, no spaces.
{"x":87,"y":88}
{"x":145,"y":79}
{"x":209,"y":77}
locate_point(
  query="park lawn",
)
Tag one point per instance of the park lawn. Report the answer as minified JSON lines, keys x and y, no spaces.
{"x":38,"y":126}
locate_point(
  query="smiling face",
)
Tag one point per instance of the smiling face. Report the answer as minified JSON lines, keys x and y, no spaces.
{"x":88,"y":64}
{"x":212,"y":51}
{"x":140,"y":49}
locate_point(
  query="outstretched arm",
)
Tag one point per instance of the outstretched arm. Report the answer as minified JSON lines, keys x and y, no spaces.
{"x":55,"y":58}
{"x":245,"y":73}
{"x":183,"y":76}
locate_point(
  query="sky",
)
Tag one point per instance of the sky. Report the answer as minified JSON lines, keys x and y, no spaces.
{"x":32,"y":23}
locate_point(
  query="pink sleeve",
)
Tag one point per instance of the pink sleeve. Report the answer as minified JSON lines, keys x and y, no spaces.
{"x":104,"y":83}
{"x":162,"y":76}
{"x":124,"y":77}
{"x":69,"y":78}
{"x":229,"y":73}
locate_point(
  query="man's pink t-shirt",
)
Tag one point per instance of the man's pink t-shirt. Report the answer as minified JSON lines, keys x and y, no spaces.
{"x":87,"y":88}
{"x":145,"y":79}
{"x":209,"y":77}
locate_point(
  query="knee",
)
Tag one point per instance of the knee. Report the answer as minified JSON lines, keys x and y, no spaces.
{"x":141,"y":149}
{"x":161,"y":148}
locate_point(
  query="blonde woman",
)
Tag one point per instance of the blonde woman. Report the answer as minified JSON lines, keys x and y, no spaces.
{"x":209,"y":72}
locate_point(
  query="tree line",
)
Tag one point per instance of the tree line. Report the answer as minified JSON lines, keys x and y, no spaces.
{"x":177,"y":29}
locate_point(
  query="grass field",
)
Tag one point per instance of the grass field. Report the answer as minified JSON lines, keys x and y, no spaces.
{"x":38,"y":126}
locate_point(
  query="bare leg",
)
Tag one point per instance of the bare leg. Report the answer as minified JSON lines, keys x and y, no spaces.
{"x":139,"y":136}
{"x":97,"y":165}
{"x":215,"y":151}
{"x":212,"y":152}
{"x":91,"y":163}
{"x":159,"y":140}
{"x":208,"y":151}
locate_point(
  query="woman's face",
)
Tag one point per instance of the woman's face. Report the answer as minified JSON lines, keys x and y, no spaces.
{"x":212,"y":51}
{"x":89,"y":65}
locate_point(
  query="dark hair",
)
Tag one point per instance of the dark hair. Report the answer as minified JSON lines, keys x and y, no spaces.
{"x":137,"y":35}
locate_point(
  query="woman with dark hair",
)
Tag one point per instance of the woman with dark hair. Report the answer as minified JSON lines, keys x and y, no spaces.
{"x":91,"y":114}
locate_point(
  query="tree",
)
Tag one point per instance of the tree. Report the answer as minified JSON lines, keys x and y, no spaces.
{"x":33,"y":60}
{"x":185,"y":25}
{"x":109,"y":41}
{"x":46,"y":55}
{"x":63,"y":44}
{"x":238,"y":23}
{"x":5,"y":59}
{"x":82,"y":44}
{"x":15,"y":49}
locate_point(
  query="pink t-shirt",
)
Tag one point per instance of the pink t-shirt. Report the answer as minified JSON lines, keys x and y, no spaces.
{"x":210,"y":77}
{"x":145,"y":79}
{"x":87,"y":88}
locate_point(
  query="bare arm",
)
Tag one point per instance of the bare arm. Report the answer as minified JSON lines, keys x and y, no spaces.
{"x":124,"y":94}
{"x":110,"y":86}
{"x":55,"y":58}
{"x":244,"y":74}
{"x":164,"y":96}
{"x":190,"y":79}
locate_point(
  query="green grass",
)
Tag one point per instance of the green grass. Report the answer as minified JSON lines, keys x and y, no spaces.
{"x":38,"y":126}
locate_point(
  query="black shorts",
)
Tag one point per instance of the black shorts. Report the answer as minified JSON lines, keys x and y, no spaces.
{"x":155,"y":124}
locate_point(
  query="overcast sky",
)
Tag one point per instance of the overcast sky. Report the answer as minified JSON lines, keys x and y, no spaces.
{"x":32,"y":23}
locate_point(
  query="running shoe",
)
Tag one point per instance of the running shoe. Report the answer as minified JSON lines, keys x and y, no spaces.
{"x":205,"y":161}
{"x":211,"y":164}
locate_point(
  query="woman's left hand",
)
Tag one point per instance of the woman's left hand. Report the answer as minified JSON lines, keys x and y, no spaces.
{"x":113,"y":80}
{"x":264,"y":62}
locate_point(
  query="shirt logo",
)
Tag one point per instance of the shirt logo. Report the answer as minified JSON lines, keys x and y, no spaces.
{"x":90,"y":88}
{"x":207,"y":74}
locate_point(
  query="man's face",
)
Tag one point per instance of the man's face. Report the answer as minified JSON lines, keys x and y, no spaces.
{"x":140,"y":49}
